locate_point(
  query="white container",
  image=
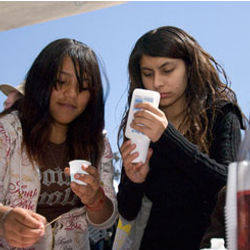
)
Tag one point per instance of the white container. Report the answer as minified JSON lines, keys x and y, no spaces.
{"x":76,"y":168}
{"x":142,"y":141}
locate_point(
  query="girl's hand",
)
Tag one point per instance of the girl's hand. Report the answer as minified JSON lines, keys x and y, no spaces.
{"x":90,"y":192}
{"x":150,"y":121}
{"x":22,"y":228}
{"x":136,"y":172}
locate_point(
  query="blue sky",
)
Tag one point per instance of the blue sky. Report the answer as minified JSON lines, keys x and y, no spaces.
{"x":221,"y":28}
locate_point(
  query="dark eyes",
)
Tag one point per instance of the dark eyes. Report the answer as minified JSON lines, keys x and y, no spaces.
{"x":60,"y":83}
{"x":147,"y":74}
{"x":84,"y":89}
{"x":164,"y":71}
{"x":85,"y":83}
{"x":168,"y":71}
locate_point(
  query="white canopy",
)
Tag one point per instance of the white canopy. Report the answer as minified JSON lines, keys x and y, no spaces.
{"x":16,"y":14}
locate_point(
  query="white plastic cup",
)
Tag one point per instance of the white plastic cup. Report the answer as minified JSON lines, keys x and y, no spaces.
{"x":76,"y":168}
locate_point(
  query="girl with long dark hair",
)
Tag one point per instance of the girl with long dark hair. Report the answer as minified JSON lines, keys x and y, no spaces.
{"x":60,"y":118}
{"x":195,"y":134}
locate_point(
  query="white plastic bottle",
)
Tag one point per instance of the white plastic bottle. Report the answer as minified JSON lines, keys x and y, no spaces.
{"x":142,"y":141}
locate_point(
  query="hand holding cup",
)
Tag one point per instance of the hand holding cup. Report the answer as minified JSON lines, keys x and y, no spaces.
{"x":76,"y":168}
{"x":85,"y":182}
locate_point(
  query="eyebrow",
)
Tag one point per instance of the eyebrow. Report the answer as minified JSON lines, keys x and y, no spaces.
{"x":65,"y":73}
{"x":163,"y":65}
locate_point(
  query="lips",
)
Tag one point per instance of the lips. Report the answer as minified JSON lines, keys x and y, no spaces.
{"x":165,"y":95}
{"x":67,"y":105}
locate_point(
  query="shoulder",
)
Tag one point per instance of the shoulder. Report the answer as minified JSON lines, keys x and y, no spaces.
{"x":228,"y":112}
{"x":11,"y":123}
{"x":10,"y":129}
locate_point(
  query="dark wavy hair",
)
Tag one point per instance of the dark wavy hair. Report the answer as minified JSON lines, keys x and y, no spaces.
{"x":205,"y":90}
{"x":85,"y":139}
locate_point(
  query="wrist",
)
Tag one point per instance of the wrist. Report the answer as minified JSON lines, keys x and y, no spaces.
{"x":98,"y":204}
{"x":3,"y":217}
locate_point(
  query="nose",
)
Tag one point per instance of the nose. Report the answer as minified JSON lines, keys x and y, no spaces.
{"x":71,"y":90}
{"x":158,"y":81}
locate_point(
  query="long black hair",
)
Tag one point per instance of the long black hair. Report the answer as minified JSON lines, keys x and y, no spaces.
{"x":204,"y":89}
{"x":84,"y":136}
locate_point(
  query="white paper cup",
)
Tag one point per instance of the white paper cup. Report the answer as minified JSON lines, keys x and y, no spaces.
{"x":76,"y":168}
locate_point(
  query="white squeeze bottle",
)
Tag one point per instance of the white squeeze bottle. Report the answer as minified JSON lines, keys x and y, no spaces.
{"x":142,"y":141}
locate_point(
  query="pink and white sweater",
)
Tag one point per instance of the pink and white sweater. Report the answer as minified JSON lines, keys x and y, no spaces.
{"x":20,"y":187}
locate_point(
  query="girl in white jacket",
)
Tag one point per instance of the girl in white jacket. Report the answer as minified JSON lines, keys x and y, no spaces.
{"x":60,"y":118}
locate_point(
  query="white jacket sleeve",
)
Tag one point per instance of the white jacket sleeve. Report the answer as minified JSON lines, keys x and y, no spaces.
{"x":5,"y":152}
